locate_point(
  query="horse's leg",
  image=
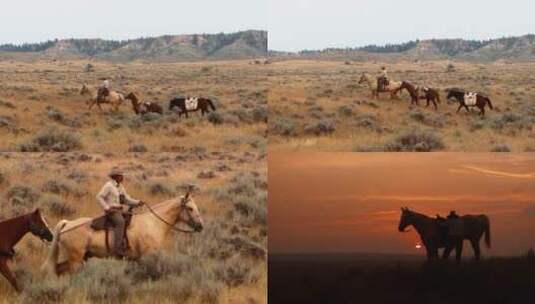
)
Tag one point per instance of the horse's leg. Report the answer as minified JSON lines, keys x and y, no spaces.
{"x":435,"y":104}
{"x":477,"y":250}
{"x":447,"y":251}
{"x":459,"y":251}
{"x":482,"y":112}
{"x":6,"y":272}
{"x":467,"y":109}
{"x":459,"y":108}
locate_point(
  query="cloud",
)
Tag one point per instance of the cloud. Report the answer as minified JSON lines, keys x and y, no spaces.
{"x":496,"y":172}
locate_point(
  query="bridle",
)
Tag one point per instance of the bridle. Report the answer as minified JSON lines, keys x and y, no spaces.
{"x":173,"y":227}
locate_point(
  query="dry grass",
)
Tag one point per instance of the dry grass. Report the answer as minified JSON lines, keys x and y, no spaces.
{"x":223,"y":264}
{"x":42,"y":99}
{"x":304,"y":94}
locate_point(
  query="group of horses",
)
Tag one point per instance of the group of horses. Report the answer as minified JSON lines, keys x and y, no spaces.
{"x":469,"y":227}
{"x":75,"y":241}
{"x":431,"y":95}
{"x":180,"y":105}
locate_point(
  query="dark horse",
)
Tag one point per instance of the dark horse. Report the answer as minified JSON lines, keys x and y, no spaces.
{"x":143,"y":107}
{"x":481,"y":101}
{"x":11,"y":231}
{"x":203,"y":104}
{"x":430,"y":95}
{"x":472,"y":228}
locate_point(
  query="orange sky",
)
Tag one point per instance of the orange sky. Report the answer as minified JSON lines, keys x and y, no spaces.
{"x":350,"y":202}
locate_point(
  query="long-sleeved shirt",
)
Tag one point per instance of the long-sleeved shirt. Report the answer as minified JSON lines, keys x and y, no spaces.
{"x":109,"y":196}
{"x":106,"y":84}
{"x":383,"y":73}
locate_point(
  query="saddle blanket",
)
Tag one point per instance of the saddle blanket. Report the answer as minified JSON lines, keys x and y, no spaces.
{"x":191,"y":103}
{"x":470,"y":99}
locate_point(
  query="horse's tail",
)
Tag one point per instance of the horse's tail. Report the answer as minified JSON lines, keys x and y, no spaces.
{"x":52,"y":259}
{"x":211,"y":104}
{"x":490,"y":104}
{"x":486,"y":227}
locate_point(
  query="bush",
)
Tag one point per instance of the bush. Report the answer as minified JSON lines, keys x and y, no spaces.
{"x":323,"y":127}
{"x":367,"y":121}
{"x":260,"y":114}
{"x":282,"y":126}
{"x":161,"y":188}
{"x":63,"y":187}
{"x":138,"y":148}
{"x":56,"y":206}
{"x":52,"y":140}
{"x":415,"y":141}
{"x":157,"y":266}
{"x":48,"y":290}
{"x":345,"y":111}
{"x":104,"y":280}
{"x":215,"y":117}
{"x":237,"y":271}
{"x":500,"y":148}
{"x":22,"y":197}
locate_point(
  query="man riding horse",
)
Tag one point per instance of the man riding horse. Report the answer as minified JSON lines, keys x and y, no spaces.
{"x":449,"y":226}
{"x":382,"y":80}
{"x":113,"y":198}
{"x":103,"y":90}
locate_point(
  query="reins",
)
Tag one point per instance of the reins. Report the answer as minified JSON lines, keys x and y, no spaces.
{"x":167,"y":223}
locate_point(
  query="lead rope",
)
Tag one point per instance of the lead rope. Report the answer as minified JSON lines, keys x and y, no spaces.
{"x":167,"y":223}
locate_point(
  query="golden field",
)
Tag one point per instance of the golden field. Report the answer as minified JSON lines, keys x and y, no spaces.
{"x":225,"y":263}
{"x":319,"y":106}
{"x":41,"y":108}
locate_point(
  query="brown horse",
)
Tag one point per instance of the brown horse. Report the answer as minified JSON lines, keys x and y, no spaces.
{"x":472,"y":228}
{"x":143,"y":107}
{"x":430,"y":95}
{"x":12,"y":231}
{"x":481,"y":100}
{"x":411,"y":89}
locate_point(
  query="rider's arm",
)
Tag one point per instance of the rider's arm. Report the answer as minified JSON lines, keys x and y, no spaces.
{"x":130,"y":201}
{"x":101,"y":197}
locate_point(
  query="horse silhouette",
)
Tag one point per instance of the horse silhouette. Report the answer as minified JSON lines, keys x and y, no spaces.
{"x":472,"y":228}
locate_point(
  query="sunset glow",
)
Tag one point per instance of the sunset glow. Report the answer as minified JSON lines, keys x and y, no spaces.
{"x":350,"y":202}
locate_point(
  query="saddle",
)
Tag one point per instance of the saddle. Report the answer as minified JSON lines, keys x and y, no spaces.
{"x":103,"y":223}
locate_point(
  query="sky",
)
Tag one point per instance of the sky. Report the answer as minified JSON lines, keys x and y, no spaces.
{"x":316,"y":24}
{"x":350,"y":202}
{"x":38,"y":20}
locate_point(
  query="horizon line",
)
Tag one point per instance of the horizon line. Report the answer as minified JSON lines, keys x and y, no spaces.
{"x":357,"y":47}
{"x":131,"y":39}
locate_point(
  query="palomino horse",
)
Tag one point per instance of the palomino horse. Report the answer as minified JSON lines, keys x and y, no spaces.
{"x":184,"y":105}
{"x":75,"y":241}
{"x":143,"y":107}
{"x":392,"y":87}
{"x":480,"y":100}
{"x":11,"y":231}
{"x":115,"y":99}
{"x":429,"y":229}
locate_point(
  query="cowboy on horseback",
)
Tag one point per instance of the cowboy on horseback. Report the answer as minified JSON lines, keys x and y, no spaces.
{"x":113,"y":198}
{"x":103,"y":90}
{"x":382,"y":79}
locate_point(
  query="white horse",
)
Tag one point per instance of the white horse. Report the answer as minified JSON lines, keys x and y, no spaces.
{"x":75,"y":241}
{"x":392,"y":87}
{"x":114,"y":98}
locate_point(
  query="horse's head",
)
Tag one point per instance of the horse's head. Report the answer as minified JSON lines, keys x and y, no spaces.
{"x":39,"y":227}
{"x":405,"y":220}
{"x":189,"y":213}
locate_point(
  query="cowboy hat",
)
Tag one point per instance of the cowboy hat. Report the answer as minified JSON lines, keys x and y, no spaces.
{"x":115,"y":172}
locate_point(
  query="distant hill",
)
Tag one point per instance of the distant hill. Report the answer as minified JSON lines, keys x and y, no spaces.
{"x":240,"y":45}
{"x":510,"y":48}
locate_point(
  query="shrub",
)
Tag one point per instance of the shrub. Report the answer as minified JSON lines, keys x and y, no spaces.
{"x":500,"y":148}
{"x":63,"y":187}
{"x":415,"y":141}
{"x":282,"y":126}
{"x":104,"y":280}
{"x":323,"y":127}
{"x":138,"y":148}
{"x":160,"y":188}
{"x":367,"y":121}
{"x":260,"y":114}
{"x":215,"y":117}
{"x":52,"y":140}
{"x":345,"y":110}
{"x":237,"y":271}
{"x":48,"y":290}
{"x":157,"y":266}
{"x":22,"y":196}
{"x":56,"y":206}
